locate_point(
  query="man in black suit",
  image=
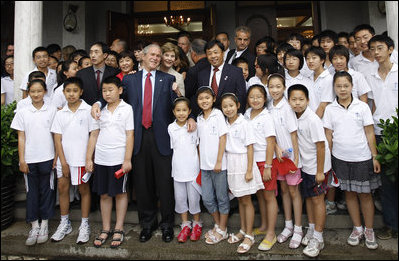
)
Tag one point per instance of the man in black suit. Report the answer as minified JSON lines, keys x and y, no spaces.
{"x":150,"y":93}
{"x":222,"y":77}
{"x":198,"y":56}
{"x":242,"y":40}
{"x":92,"y":76}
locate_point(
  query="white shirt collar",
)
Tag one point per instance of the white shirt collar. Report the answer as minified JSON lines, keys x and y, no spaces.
{"x":220,"y":67}
{"x":82,"y":106}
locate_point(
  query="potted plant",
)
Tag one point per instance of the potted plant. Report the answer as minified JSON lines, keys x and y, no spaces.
{"x":9,"y":164}
{"x":388,"y":148}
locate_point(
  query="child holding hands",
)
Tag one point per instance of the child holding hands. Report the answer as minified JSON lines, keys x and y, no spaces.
{"x":112,"y":138}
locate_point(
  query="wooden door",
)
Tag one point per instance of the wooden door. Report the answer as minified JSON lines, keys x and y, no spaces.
{"x":120,"y":26}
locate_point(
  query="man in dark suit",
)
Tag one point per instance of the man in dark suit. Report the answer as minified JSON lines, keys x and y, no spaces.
{"x":242,"y":40}
{"x":198,"y":56}
{"x":92,"y":76}
{"x":222,"y":77}
{"x":150,"y":93}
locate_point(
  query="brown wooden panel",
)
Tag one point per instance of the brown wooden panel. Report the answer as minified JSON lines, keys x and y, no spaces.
{"x":120,"y":26}
{"x":149,"y":6}
{"x":182,"y":5}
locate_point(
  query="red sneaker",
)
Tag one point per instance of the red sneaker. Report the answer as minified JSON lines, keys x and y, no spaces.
{"x":183,"y":235}
{"x":196,"y":234}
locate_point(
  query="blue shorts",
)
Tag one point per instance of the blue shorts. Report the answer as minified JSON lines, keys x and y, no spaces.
{"x":104,"y":181}
{"x":309,"y":187}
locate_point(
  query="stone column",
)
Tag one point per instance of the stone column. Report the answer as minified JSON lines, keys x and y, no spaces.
{"x":27,"y":36}
{"x":391,"y":8}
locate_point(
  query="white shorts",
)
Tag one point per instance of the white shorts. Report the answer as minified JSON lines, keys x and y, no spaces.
{"x":76,"y":174}
{"x":187,"y":198}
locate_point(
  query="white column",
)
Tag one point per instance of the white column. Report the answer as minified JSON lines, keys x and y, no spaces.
{"x":27,"y":36}
{"x":391,"y":8}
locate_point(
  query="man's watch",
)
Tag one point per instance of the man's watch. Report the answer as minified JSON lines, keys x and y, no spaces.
{"x":267,"y":166}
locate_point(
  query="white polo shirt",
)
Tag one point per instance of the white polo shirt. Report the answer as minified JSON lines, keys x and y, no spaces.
{"x":310,"y":131}
{"x":307,"y":82}
{"x":209,"y":132}
{"x":74,"y":128}
{"x":367,"y":67}
{"x":51,"y":80}
{"x":384,"y":94}
{"x":323,"y":88}
{"x":263,"y":127}
{"x":360,"y":85}
{"x":285,"y":123}
{"x":111,"y":142}
{"x":58,"y":99}
{"x":7,"y":87}
{"x":39,"y":144}
{"x":349,"y":138}
{"x":305,"y":71}
{"x":239,"y":136}
{"x":185,"y":161}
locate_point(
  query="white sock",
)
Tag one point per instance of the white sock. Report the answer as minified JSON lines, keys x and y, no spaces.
{"x":311,"y":226}
{"x":65,"y":218}
{"x":318,"y":236}
{"x":288,"y":224}
{"x":35,"y":224}
{"x":297,"y":229}
{"x":85,"y":221}
{"x":359,"y":229}
{"x":186,"y":223}
{"x":199,"y":223}
{"x":368,"y":229}
{"x":44,"y":223}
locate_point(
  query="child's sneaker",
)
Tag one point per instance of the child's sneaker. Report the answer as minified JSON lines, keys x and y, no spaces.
{"x":32,"y":237}
{"x":196,"y":233}
{"x":307,"y":237}
{"x":84,"y":233}
{"x":184,"y":234}
{"x":341,"y":205}
{"x":355,"y":237}
{"x":63,"y":229}
{"x":43,"y":235}
{"x":331,"y":208}
{"x":371,"y":242}
{"x":313,"y":248}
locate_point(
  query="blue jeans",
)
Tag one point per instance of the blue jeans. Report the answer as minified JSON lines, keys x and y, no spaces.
{"x":389,"y":198}
{"x":215,"y":195}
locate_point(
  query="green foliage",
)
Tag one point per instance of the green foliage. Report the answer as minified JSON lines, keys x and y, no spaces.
{"x":9,"y":144}
{"x":388,"y":148}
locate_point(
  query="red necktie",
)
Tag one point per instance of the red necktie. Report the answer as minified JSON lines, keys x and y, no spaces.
{"x":214,"y":85}
{"x":98,"y":79}
{"x":147,"y":120}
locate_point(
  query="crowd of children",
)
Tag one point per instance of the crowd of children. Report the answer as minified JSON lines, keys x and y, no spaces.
{"x":307,"y":123}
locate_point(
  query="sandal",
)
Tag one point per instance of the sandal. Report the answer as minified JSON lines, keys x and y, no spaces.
{"x":258,"y":232}
{"x":266,"y":245}
{"x":296,"y":239}
{"x":214,"y":239}
{"x":120,"y":232}
{"x":285,"y":234}
{"x":235,"y":239}
{"x":244,"y":247}
{"x":102,"y":240}
{"x":211,"y":231}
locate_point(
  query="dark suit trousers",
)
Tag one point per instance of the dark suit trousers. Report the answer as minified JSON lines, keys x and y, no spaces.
{"x":153,"y":181}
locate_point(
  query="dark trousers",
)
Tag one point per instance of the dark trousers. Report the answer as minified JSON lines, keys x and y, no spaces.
{"x":153,"y":181}
{"x":40,"y":194}
{"x":389,"y":198}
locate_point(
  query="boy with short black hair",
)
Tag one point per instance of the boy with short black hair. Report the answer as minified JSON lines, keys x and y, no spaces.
{"x":327,"y":40}
{"x":384,"y":94}
{"x":243,"y":64}
{"x":316,"y":166}
{"x":40,"y":57}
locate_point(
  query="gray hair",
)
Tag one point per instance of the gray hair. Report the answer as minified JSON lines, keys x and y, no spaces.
{"x":145,"y":50}
{"x":198,"y":46}
{"x":244,"y":29}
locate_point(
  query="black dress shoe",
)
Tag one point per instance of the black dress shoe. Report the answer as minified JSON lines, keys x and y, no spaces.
{"x":145,"y":235}
{"x":167,"y":234}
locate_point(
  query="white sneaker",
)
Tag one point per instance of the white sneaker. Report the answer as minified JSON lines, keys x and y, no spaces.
{"x":371,"y":242}
{"x":43,"y":235}
{"x":313,"y":248}
{"x":307,"y":237}
{"x":331,"y":208}
{"x":84,"y":234}
{"x":32,"y":237}
{"x":63,"y":229}
{"x":355,"y":237}
{"x":342,"y":205}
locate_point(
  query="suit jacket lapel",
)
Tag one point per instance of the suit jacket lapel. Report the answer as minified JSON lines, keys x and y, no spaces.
{"x":157,"y":90}
{"x":138,"y":85}
{"x":223,"y":79}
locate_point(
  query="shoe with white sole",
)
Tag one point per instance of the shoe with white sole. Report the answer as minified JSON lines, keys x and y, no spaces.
{"x":32,"y":237}
{"x":313,"y":248}
{"x":63,"y":229}
{"x":84,"y":234}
